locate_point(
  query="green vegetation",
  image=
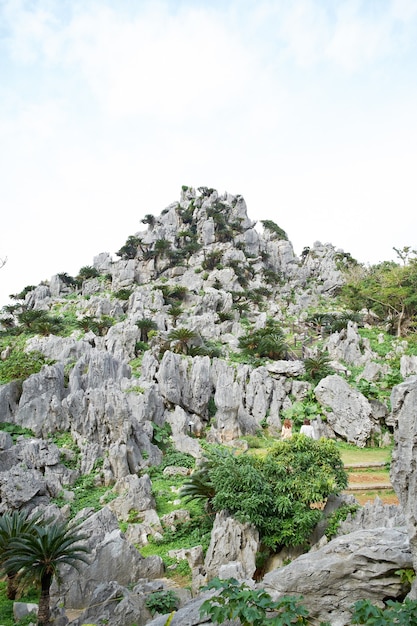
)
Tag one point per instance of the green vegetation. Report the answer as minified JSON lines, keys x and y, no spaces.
{"x":338,"y":517}
{"x":19,"y":365}
{"x":130,"y":248}
{"x":32,"y":556}
{"x":267,"y":342}
{"x":15,"y":430}
{"x":401,"y":613}
{"x":252,"y":607}
{"x":255,"y":607}
{"x":162,"y":602}
{"x":275,"y":229}
{"x":6,"y":606}
{"x":277,"y":492}
{"x":389,"y":290}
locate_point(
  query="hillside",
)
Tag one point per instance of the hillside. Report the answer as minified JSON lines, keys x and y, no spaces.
{"x":203,"y":328}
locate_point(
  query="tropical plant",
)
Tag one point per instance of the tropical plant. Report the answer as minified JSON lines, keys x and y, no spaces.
{"x":67,"y":280}
{"x":162,"y":246}
{"x":130,"y":248}
{"x":145,"y":325}
{"x":38,"y":555}
{"x":163,"y":601}
{"x":266,"y":342}
{"x":87,"y":324}
{"x":123,"y":294}
{"x":175,"y":311}
{"x":22,"y":295}
{"x":182,"y":338}
{"x":252,"y":607}
{"x":211,"y":260}
{"x":278,"y":493}
{"x":13,"y":525}
{"x":149,"y":219}
{"x":318,"y":367}
{"x":87,"y":271}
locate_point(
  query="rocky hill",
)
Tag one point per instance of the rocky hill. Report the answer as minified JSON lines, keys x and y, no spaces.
{"x":206,"y":326}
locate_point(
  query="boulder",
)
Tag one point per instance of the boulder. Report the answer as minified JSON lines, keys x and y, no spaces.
{"x":348,"y":412}
{"x":348,"y":568}
{"x":403,"y":475}
{"x":231,"y":541}
{"x":111,"y":558}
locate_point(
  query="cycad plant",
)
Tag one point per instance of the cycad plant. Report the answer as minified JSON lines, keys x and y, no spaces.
{"x":145,"y":325}
{"x":13,"y":525}
{"x":182,"y":338}
{"x":37,"y":555}
{"x":318,"y":367}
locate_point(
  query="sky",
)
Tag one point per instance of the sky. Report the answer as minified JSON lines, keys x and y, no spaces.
{"x":306,"y":108}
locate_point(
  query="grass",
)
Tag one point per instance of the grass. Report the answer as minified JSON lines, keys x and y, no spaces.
{"x":6,"y":606}
{"x":351,"y":455}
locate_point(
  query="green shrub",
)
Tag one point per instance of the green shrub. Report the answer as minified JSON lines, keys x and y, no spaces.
{"x":15,"y":430}
{"x":252,"y":607}
{"x":338,"y":517}
{"x":20,"y":365}
{"x":162,"y":602}
{"x":401,"y":613}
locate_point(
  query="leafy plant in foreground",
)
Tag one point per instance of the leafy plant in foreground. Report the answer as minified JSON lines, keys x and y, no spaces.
{"x":401,"y":613}
{"x":252,"y":607}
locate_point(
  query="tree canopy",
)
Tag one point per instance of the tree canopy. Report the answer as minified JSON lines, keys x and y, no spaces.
{"x":276,"y":493}
{"x":389,"y":290}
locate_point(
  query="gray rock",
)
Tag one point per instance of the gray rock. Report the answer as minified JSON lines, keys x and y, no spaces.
{"x":20,"y":487}
{"x":113,"y":604}
{"x":349,"y":568}
{"x":403,"y":475}
{"x":231,"y":541}
{"x":348,"y":411}
{"x":111,"y":558}
{"x":9,"y":400}
{"x":40,"y":405}
{"x":23,"y":609}
{"x":408,"y":365}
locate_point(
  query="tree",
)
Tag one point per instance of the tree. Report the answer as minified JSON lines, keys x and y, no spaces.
{"x":130,"y":248}
{"x":37,"y":556}
{"x":145,"y":325}
{"x":277,"y":493}
{"x":175,"y":311}
{"x":149,"y":219}
{"x":318,"y":367}
{"x":182,"y":338}
{"x":388,"y":289}
{"x":266,"y":342}
{"x":162,"y":247}
{"x":87,"y":271}
{"x":13,"y":525}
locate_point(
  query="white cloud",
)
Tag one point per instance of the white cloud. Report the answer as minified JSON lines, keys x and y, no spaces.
{"x":107,"y":108}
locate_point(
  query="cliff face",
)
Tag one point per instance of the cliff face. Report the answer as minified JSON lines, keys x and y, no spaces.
{"x":170,"y":332}
{"x":201,"y":268}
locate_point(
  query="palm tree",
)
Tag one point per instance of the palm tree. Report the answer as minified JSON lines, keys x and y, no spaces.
{"x":37,"y":556}
{"x":145,"y":325}
{"x":162,"y":246}
{"x":183,"y":338}
{"x":13,"y":525}
{"x":175,"y":311}
{"x":318,"y":367}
